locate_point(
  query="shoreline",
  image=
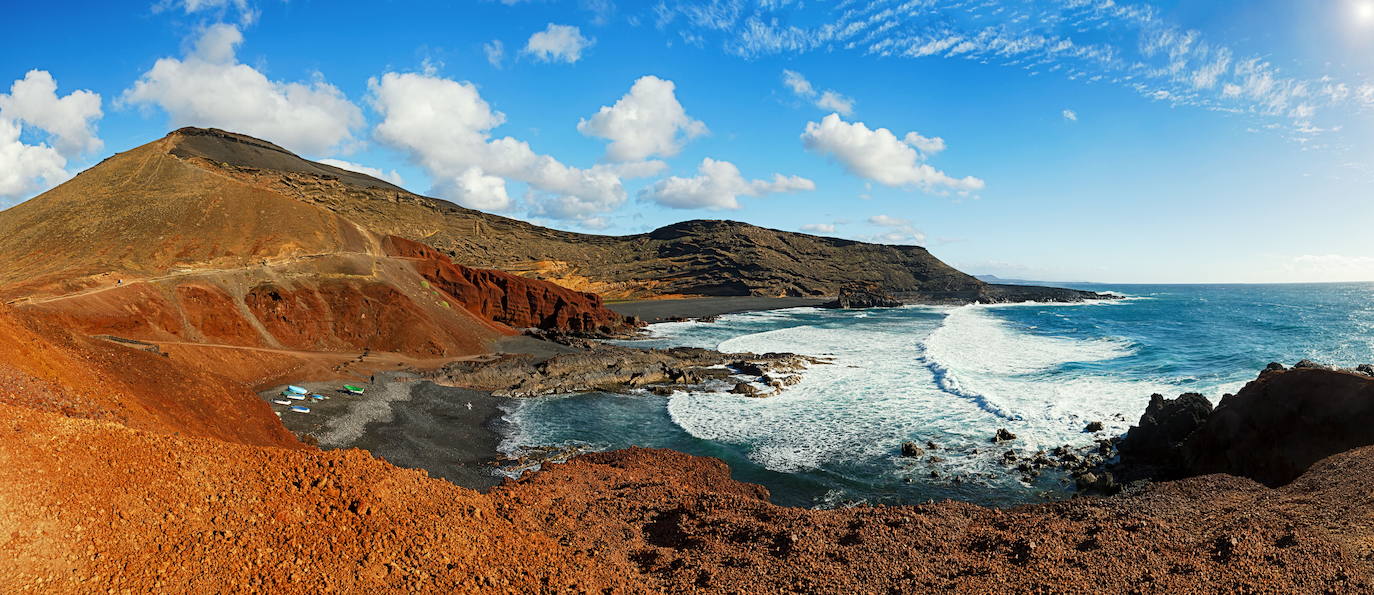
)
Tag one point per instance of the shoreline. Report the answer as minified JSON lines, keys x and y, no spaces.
{"x":654,"y":311}
{"x":451,"y":433}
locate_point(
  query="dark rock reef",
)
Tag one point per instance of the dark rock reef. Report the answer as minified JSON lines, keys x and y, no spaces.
{"x":1271,"y":431}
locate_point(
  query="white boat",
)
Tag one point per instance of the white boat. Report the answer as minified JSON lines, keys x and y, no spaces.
{"x":282,"y":402}
{"x":300,"y":409}
{"x":295,"y":397}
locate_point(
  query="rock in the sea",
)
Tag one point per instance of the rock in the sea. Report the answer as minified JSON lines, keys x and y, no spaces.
{"x":744,"y":388}
{"x":1309,"y":364}
{"x":1093,"y":426}
{"x":863,"y":297}
{"x":1156,"y":442}
{"x":1366,"y":369}
{"x":1274,"y":367}
{"x":909,"y":449}
{"x":1003,"y":435}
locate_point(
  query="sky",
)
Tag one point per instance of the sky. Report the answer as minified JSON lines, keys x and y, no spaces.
{"x":1074,"y":140}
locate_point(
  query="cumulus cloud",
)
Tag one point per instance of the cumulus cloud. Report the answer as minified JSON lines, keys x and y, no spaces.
{"x":878,"y":155}
{"x":558,"y":43}
{"x":819,"y":227}
{"x":209,"y":87}
{"x":1070,"y":115}
{"x":70,"y":120}
{"x":495,"y":51}
{"x":391,"y":176}
{"x":828,"y":100}
{"x":718,"y":185}
{"x":899,"y":231}
{"x":645,"y":122}
{"x":445,"y":126}
{"x":65,"y":127}
{"x":24,"y":168}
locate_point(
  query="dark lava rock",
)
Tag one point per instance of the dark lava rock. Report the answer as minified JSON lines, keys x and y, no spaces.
{"x":662,"y":391}
{"x":1274,"y":367}
{"x":1003,"y":435}
{"x":749,"y":368}
{"x":909,"y":449}
{"x":744,"y":388}
{"x":1366,"y":369}
{"x":1309,"y":364}
{"x":932,"y":445}
{"x":1154,"y":446}
{"x":1093,"y":426}
{"x":863,"y":297}
{"x":1279,"y":425}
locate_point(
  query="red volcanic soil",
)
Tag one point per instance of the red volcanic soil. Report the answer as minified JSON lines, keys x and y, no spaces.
{"x":506,"y":298}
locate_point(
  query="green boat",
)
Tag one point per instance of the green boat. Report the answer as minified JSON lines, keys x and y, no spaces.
{"x":357,"y":390}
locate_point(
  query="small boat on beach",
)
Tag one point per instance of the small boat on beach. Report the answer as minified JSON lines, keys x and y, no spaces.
{"x":295,"y":390}
{"x":295,"y":397}
{"x":300,"y":409}
{"x":318,"y":397}
{"x":356,"y":390}
{"x":282,"y":402}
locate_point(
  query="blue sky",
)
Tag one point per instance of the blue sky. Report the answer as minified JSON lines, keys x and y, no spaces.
{"x":1054,"y":139}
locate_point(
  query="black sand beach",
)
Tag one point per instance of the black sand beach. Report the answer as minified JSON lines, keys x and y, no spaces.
{"x":449,"y":432}
{"x":662,"y":310}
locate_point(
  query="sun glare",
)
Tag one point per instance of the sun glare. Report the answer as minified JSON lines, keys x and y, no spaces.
{"x":1364,"y":11}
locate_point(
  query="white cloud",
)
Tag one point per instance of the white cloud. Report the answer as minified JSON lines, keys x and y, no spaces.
{"x":819,"y":227}
{"x":718,"y":185}
{"x":901,"y":231}
{"x":1070,"y":115}
{"x":558,"y":43}
{"x":209,"y":87}
{"x":1330,"y":268}
{"x":495,"y":51}
{"x":66,"y":125}
{"x":23,"y":166}
{"x":446,"y":126}
{"x":828,"y":100}
{"x":391,"y":176}
{"x":647,"y":121}
{"x":880,"y":156}
{"x":888,"y":221}
{"x":70,"y":120}
{"x":247,"y":13}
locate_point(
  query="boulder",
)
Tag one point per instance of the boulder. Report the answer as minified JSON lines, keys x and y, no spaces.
{"x":1093,"y":426}
{"x":909,"y":449}
{"x":1309,"y":364}
{"x":744,"y":388}
{"x":1154,"y":446}
{"x":1003,"y":435}
{"x":1366,"y":369}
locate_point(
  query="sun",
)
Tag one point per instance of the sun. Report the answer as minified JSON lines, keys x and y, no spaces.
{"x":1364,"y":11}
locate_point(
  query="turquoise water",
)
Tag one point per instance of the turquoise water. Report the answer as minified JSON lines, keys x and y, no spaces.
{"x":954,"y":375}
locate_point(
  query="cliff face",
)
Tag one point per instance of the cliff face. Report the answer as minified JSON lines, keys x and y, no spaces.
{"x":506,"y":298}
{"x":714,"y":258}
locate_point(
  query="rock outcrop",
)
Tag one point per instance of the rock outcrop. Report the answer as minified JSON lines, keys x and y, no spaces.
{"x":516,"y":301}
{"x":863,"y":297}
{"x":1271,"y":431}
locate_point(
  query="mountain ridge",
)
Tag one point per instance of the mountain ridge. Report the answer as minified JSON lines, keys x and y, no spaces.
{"x":699,"y":257}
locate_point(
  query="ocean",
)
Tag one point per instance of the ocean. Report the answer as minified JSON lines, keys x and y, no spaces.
{"x":954,"y":376}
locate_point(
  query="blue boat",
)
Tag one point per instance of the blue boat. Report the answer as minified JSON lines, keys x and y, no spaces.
{"x":300,"y":409}
{"x":318,"y":397}
{"x":295,"y":390}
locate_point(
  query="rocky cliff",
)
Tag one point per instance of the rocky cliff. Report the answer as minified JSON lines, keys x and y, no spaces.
{"x":1271,"y":431}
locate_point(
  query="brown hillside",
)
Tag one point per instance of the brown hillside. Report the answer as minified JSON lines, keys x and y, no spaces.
{"x":689,"y":258}
{"x":159,"y":244}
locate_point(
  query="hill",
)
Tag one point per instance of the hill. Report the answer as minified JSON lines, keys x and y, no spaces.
{"x":161,"y":244}
{"x":692,"y":258}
